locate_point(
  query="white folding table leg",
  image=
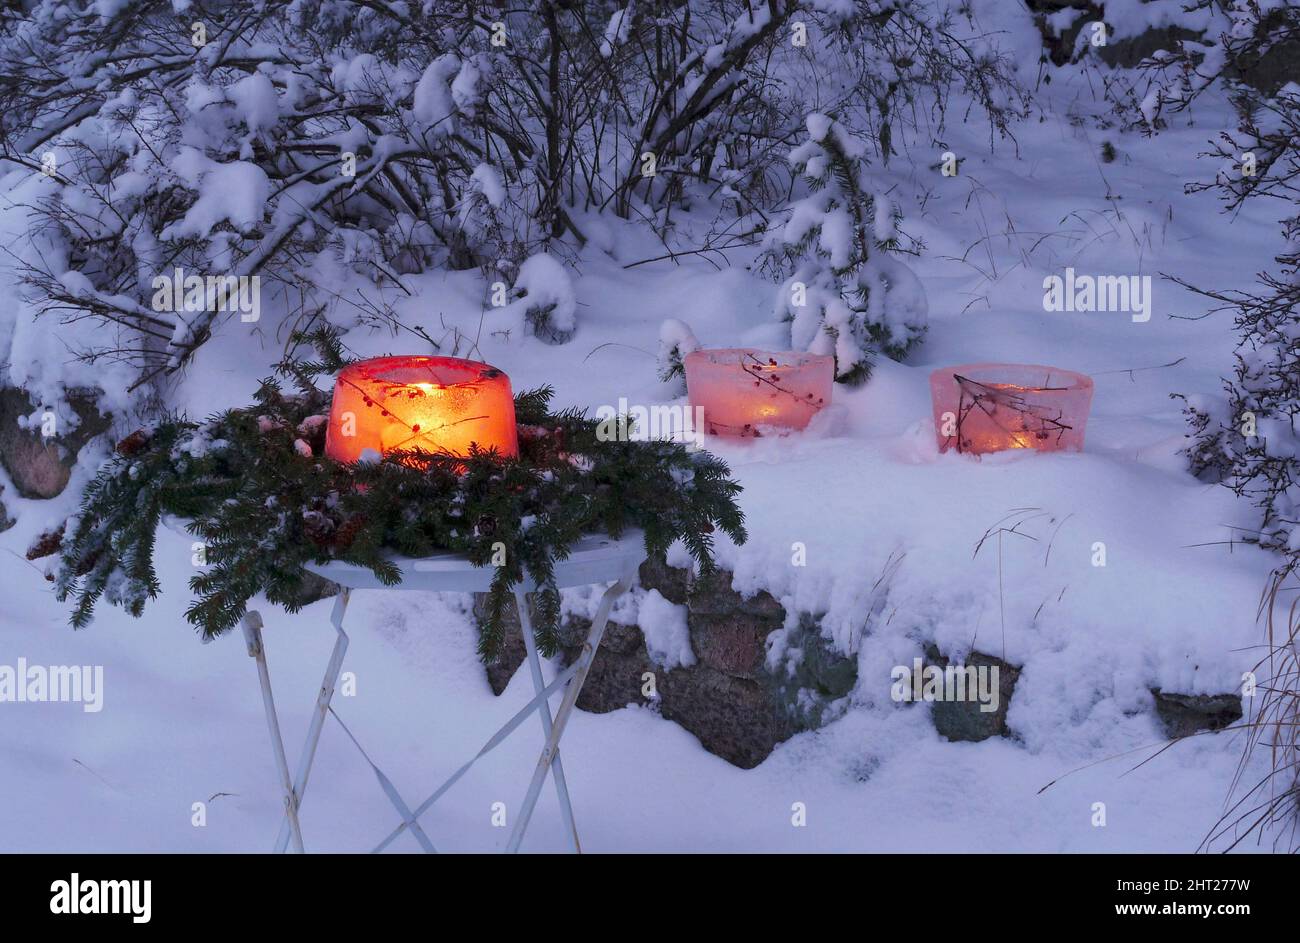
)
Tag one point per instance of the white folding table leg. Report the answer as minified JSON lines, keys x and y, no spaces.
{"x":252,"y":624}
{"x":571,"y":692}
{"x":318,"y":717}
{"x":395,"y":797}
{"x":492,"y":743}
{"x":544,"y":711}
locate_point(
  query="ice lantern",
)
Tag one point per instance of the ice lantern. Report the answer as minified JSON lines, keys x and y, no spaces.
{"x":740,"y":391}
{"x":432,"y":404}
{"x":988,"y":407}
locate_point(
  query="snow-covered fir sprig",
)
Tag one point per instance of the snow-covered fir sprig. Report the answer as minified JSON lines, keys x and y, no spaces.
{"x":676,"y":340}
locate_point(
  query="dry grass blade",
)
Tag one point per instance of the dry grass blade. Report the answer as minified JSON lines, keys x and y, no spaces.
{"x":1269,"y":809}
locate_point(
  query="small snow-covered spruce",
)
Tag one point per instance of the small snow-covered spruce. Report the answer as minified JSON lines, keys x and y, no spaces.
{"x":844,"y":294}
{"x":265,"y":505}
{"x":676,"y":340}
{"x":545,"y":302}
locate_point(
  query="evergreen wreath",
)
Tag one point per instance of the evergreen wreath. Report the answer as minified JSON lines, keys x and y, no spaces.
{"x":255,"y":486}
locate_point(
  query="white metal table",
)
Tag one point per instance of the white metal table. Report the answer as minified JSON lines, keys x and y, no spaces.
{"x":594,"y":559}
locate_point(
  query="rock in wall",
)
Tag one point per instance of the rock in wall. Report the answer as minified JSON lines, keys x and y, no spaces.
{"x":40,"y":468}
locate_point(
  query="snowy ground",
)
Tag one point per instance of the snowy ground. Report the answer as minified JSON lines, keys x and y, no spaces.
{"x":1174,"y":607}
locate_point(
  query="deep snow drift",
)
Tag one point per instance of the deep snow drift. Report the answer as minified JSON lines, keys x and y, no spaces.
{"x":890,"y":529}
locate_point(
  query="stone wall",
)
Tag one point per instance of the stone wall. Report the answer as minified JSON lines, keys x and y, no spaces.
{"x":1266,"y":73}
{"x":738,"y":708}
{"x":728,"y":699}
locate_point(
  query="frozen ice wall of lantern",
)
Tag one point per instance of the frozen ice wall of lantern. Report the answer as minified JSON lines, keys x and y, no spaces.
{"x":988,"y":407}
{"x":746,"y":392}
{"x":431,"y":404}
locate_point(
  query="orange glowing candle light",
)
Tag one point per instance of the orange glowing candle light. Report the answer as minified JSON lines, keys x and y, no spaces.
{"x":989,"y":407}
{"x":742,"y":392}
{"x":430,"y":404}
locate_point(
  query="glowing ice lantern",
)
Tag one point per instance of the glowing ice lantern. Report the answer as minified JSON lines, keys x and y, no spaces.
{"x":745,"y":392}
{"x":431,"y":404}
{"x":988,"y":407}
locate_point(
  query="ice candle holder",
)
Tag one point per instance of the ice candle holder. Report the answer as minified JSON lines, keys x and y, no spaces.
{"x":988,"y":407}
{"x":416,"y":403}
{"x":744,"y":393}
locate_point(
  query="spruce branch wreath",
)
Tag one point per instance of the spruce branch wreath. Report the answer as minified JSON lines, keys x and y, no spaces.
{"x":255,"y":486}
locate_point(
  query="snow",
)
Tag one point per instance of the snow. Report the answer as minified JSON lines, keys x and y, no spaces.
{"x":1150,"y":106}
{"x":1126,"y":19}
{"x":36,"y":356}
{"x":434,"y":103}
{"x":676,"y":340}
{"x":489,"y":183}
{"x":891,"y":530}
{"x":109,"y":8}
{"x":466,"y":87}
{"x":616,"y":31}
{"x":256,"y":101}
{"x":675,"y":334}
{"x":818,"y":125}
{"x":234,"y":192}
{"x":359,"y":76}
{"x":544,"y":284}
{"x":1062,"y":19}
{"x":667,"y":638}
{"x":897,"y":298}
{"x":883,"y":223}
{"x":125,"y":778}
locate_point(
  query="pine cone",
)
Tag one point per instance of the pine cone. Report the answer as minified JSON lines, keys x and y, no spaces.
{"x":133,"y":443}
{"x":312,"y":431}
{"x":318,"y":528}
{"x":348,"y":530}
{"x":47,"y":543}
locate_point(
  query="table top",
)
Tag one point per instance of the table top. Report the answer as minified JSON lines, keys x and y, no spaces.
{"x":595,"y":558}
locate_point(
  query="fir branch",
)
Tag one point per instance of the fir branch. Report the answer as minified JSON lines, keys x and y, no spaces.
{"x":264,"y":510}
